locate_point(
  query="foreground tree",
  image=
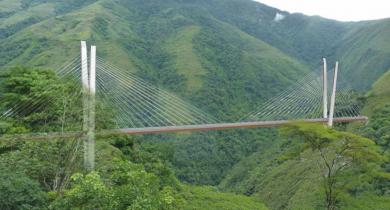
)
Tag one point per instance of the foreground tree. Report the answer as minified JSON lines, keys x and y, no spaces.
{"x":123,"y":185}
{"x":341,"y":156}
{"x":37,"y":100}
{"x":18,"y":191}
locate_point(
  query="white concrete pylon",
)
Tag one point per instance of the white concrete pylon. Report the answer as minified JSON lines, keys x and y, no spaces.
{"x":84,"y":65}
{"x":91,"y":114}
{"x":92,"y":72}
{"x":333,"y":97}
{"x":325,"y":89}
{"x":85,"y":91}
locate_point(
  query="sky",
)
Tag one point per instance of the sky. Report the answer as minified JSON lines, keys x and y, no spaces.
{"x":342,"y":10}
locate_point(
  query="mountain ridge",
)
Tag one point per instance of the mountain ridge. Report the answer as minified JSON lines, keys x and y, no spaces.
{"x":305,"y":38}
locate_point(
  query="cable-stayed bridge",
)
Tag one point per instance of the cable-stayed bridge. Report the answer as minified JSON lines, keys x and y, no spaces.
{"x":140,"y":107}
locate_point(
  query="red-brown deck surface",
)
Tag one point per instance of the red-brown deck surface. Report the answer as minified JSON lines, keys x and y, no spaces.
{"x":224,"y":126}
{"x":172,"y":129}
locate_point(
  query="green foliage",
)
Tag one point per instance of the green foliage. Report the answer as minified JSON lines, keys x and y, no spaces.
{"x":87,"y":192}
{"x":379,"y":127}
{"x":232,"y":56}
{"x":377,"y":108}
{"x":126,"y":186}
{"x":342,"y":155}
{"x":366,"y":201}
{"x":318,"y":137}
{"x":50,"y":163}
{"x":288,"y":174}
{"x":37,"y":97}
{"x":18,"y":191}
{"x":40,"y":102}
{"x":226,"y":57}
{"x":205,"y":158}
{"x":55,"y":165}
{"x":208,"y":198}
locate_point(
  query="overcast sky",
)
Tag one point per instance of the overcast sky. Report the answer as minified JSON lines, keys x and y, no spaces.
{"x":343,"y":10}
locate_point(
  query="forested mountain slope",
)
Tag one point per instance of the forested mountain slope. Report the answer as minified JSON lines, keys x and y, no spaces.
{"x":377,"y":107}
{"x":364,"y":52}
{"x":379,"y":95}
{"x":361,"y":47}
{"x":174,"y":44}
{"x":171,"y":44}
{"x":226,"y":57}
{"x":268,"y":172}
{"x":126,"y":30}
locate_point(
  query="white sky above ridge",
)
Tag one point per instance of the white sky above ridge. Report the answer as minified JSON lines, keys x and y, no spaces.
{"x":342,"y":10}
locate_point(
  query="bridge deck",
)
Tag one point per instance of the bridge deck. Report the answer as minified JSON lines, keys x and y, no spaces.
{"x":172,"y":129}
{"x":224,"y":126}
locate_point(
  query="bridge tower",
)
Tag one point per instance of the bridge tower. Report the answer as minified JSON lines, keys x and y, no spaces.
{"x":330,"y":115}
{"x":325,"y":89}
{"x":333,"y":97}
{"x":88,"y":79}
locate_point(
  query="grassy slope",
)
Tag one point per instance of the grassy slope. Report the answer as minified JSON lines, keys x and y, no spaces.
{"x":379,"y":96}
{"x":364,"y":52}
{"x":208,"y":198}
{"x":279,"y":182}
{"x":55,"y":39}
{"x":362,"y":47}
{"x":187,"y":63}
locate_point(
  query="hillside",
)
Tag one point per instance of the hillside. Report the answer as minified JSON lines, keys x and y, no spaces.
{"x":33,"y":30}
{"x":207,"y":198}
{"x":225,"y":57}
{"x":175,"y":44}
{"x":364,"y":52}
{"x":379,"y":95}
{"x":210,"y":56}
{"x":377,"y":107}
{"x":361,"y":47}
{"x":267,"y":173}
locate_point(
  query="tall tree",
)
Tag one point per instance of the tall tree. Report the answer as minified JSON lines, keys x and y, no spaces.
{"x":37,"y":100}
{"x":341,"y":154}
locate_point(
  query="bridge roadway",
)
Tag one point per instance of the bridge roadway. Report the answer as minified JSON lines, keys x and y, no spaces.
{"x":172,"y":129}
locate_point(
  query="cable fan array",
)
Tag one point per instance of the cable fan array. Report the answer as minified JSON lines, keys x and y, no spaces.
{"x":304,"y":100}
{"x":140,"y":104}
{"x":29,"y":106}
{"x":136,"y":103}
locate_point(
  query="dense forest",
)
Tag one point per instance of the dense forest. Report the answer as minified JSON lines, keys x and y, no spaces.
{"x":224,"y":56}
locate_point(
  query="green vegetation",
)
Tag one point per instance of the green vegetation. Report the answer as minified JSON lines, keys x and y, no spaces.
{"x":23,"y":86}
{"x":122,"y":186}
{"x":187,"y":63}
{"x":226,"y":57}
{"x":342,"y":155}
{"x":208,"y":198}
{"x":18,"y":191}
{"x":49,"y":174}
{"x":282,"y":165}
{"x":312,"y":168}
{"x":377,"y":107}
{"x":379,"y":96}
